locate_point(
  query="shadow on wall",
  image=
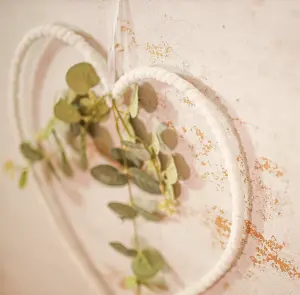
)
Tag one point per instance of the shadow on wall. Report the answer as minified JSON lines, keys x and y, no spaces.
{"x":251,"y":177}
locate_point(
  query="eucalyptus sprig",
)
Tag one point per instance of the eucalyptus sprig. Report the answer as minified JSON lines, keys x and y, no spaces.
{"x":134,"y":162}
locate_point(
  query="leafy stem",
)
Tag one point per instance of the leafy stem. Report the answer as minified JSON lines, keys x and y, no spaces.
{"x":121,"y":118}
{"x":131,"y":200}
{"x":118,"y":115}
{"x":115,"y":112}
{"x":134,"y":163}
{"x":136,"y":237}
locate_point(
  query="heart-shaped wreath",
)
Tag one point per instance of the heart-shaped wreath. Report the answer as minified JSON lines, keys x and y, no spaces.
{"x":135,"y":161}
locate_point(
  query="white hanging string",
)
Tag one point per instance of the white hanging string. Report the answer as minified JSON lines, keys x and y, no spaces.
{"x":125,"y":43}
{"x":112,"y":69}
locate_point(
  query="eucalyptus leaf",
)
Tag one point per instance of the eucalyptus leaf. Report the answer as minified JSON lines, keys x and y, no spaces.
{"x":150,"y":167}
{"x":169,"y":191}
{"x":147,"y":264}
{"x":131,"y":136}
{"x":66,"y":112}
{"x":30,"y":153}
{"x":155,"y":146}
{"x":86,"y":102}
{"x":100,"y":110}
{"x":134,"y":104}
{"x":140,"y":130}
{"x":119,"y":247}
{"x":161,"y":132}
{"x":76,"y":101}
{"x":85,"y":106}
{"x":150,"y":216}
{"x":109,"y":175}
{"x":123,"y":156}
{"x":124,"y":211}
{"x":23,"y":178}
{"x":170,"y":173}
{"x":137,"y":149}
{"x":82,"y":77}
{"x":145,"y":181}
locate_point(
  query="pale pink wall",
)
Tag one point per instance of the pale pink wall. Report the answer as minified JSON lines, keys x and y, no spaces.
{"x":243,"y":53}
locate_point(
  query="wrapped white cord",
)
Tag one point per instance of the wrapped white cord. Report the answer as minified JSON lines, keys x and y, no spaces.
{"x":202,"y":105}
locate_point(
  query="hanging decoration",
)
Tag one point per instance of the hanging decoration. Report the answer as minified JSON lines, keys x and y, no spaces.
{"x":134,"y":161}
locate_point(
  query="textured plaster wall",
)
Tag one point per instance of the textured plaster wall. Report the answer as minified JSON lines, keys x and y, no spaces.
{"x":242,"y":53}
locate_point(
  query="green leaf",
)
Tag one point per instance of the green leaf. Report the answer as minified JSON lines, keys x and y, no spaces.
{"x":137,"y":149}
{"x":123,"y":250}
{"x":150,"y":216}
{"x":100,"y":110}
{"x":169,"y":191}
{"x":30,"y":153}
{"x":82,"y":77}
{"x":170,"y":173}
{"x":167,"y":138}
{"x":109,"y":175}
{"x":155,"y":146}
{"x":66,"y":112}
{"x":130,"y":283}
{"x":86,"y":102}
{"x":134,"y":104}
{"x":123,"y":210}
{"x":85,"y":106}
{"x":121,"y":155}
{"x":145,"y":181}
{"x":131,"y":136}
{"x":23,"y":178}
{"x":147,"y":264}
{"x":150,"y":167}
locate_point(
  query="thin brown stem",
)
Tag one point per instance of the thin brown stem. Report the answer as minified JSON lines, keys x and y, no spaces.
{"x":135,"y":232}
{"x":117,"y":124}
{"x":121,"y":118}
